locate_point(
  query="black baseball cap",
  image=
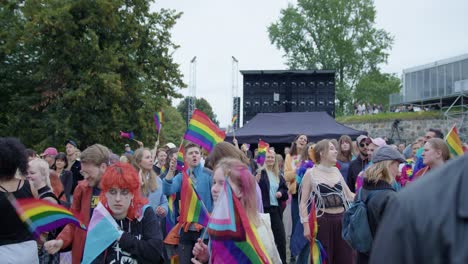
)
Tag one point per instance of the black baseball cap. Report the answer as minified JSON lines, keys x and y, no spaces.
{"x":71,"y":142}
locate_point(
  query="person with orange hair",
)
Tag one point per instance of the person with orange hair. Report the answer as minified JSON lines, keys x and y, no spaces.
{"x":141,"y":240}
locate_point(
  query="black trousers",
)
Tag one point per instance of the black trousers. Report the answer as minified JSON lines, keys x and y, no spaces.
{"x":278,"y":230}
{"x":186,"y":243}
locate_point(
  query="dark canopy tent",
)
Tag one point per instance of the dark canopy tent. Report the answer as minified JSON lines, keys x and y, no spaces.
{"x":284,"y":127}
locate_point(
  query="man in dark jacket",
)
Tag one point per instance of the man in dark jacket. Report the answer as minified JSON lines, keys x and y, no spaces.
{"x":357,"y":165}
{"x":428,"y":221}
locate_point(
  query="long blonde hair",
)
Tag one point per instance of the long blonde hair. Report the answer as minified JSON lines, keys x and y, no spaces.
{"x":44,"y":170}
{"x":240,"y":175}
{"x":149,"y":184}
{"x":275,"y":168}
{"x":379,"y":171}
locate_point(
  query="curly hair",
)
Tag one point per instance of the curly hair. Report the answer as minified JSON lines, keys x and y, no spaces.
{"x":124,"y":176}
{"x":13,"y":158}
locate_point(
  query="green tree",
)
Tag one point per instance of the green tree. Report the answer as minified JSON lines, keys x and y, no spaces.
{"x":332,"y":34}
{"x":201,"y":104}
{"x":85,"y":69}
{"x":173,"y":127}
{"x":376,"y":87}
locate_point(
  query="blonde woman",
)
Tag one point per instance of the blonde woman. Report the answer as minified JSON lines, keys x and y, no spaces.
{"x":151,"y":184}
{"x":377,"y":189}
{"x":274,"y":191}
{"x":325,"y":184}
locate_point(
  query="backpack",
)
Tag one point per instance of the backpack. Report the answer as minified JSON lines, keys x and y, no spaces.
{"x":356,"y":231}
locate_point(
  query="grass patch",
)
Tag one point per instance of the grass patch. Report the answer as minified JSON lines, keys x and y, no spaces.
{"x":389,"y":117}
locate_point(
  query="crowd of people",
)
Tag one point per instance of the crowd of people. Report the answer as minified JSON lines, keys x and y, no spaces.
{"x":331,"y":174}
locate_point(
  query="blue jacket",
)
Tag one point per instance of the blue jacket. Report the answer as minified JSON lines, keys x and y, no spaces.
{"x":157,"y":198}
{"x":202,"y":186}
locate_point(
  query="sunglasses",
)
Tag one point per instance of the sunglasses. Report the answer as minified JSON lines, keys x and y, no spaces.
{"x":363,"y":145}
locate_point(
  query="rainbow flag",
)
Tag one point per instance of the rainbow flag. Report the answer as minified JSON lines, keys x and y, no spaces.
{"x":180,"y":158}
{"x":192,"y":209}
{"x":170,"y":217}
{"x":43,"y":216}
{"x":158,"y":120}
{"x":202,"y":131}
{"x":317,"y":253}
{"x":454,"y":142}
{"x":234,"y":239}
{"x":128,"y":135}
{"x":234,"y":119}
{"x":261,"y":153}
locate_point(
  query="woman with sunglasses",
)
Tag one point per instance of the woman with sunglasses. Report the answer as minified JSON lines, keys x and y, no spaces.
{"x":141,"y":240}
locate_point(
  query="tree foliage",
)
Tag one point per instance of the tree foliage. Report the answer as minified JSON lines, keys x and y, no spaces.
{"x":201,"y":104}
{"x":84,"y":69}
{"x":332,"y":34}
{"x":376,"y":88}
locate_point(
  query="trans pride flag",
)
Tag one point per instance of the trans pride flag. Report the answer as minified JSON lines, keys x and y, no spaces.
{"x":102,"y":232}
{"x":234,"y":239}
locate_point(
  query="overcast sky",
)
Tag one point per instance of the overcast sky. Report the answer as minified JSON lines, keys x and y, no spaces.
{"x":215,"y":30}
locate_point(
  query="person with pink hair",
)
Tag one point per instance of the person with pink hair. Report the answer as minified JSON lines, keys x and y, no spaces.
{"x":243,"y":187}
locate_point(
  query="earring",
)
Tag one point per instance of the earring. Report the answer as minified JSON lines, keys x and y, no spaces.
{"x":132,"y":203}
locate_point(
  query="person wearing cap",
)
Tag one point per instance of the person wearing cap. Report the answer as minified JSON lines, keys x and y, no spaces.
{"x":372,"y":145}
{"x":377,"y":182}
{"x":169,"y":146}
{"x":358,"y":164}
{"x":49,"y":155}
{"x":128,"y":149}
{"x":74,"y":165}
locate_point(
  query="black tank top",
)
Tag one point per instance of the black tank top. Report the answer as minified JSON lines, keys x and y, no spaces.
{"x":12,"y":229}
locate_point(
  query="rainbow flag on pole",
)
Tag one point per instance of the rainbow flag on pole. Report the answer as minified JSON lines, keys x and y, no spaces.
{"x":158,"y":120}
{"x":43,"y":216}
{"x":454,"y":142}
{"x":317,"y":253}
{"x":234,"y":239}
{"x":202,"y":131}
{"x":180,"y":158}
{"x":261,"y":153}
{"x":192,"y":209}
{"x":128,"y":135}
{"x":233,"y":120}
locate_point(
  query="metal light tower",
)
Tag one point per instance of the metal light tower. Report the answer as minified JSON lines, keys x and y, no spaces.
{"x":235,"y":93}
{"x":192,"y":88}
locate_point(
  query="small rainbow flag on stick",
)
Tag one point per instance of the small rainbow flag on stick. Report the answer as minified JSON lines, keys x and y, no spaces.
{"x":128,"y":135}
{"x":233,"y":120}
{"x":42,"y":216}
{"x":454,"y":142}
{"x":192,"y":208}
{"x":158,"y":120}
{"x":202,"y":131}
{"x":180,"y":157}
{"x":261,"y":153}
